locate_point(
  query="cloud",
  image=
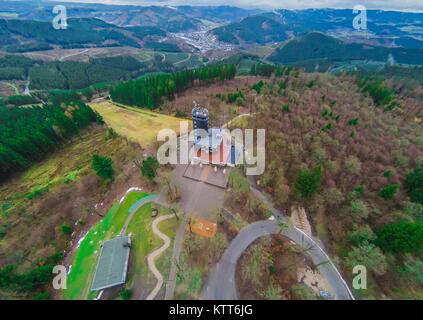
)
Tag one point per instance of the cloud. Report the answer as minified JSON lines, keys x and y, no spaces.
{"x":405,"y":5}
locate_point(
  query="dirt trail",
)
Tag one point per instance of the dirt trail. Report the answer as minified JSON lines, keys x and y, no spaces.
{"x":157,"y":253}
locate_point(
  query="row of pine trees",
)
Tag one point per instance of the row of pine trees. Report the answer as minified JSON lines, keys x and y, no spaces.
{"x":27,"y":135}
{"x":150,"y":92}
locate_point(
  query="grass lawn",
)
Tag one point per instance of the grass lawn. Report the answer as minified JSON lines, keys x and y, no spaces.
{"x":176,"y":57}
{"x":144,"y":241}
{"x":83,"y":267}
{"x":138,"y":125}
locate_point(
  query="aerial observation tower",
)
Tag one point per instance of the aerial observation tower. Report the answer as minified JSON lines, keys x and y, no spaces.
{"x":200,"y":121}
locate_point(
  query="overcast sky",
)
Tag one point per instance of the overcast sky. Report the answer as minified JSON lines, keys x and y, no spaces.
{"x":406,"y":5}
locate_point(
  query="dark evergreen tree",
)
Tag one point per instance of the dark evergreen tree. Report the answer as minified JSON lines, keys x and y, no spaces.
{"x":103,"y":167}
{"x":401,"y":237}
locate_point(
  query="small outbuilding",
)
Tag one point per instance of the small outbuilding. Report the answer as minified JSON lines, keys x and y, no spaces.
{"x":112,"y":265}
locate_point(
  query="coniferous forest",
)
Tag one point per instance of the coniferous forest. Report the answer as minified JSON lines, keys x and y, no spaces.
{"x":27,"y":135}
{"x":150,"y":92}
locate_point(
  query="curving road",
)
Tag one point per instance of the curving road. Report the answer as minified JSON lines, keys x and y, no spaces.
{"x":157,"y":253}
{"x":221,"y":283}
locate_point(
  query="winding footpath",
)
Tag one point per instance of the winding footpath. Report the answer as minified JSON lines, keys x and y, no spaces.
{"x":157,"y":253}
{"x":221,"y":283}
{"x":134,"y":208}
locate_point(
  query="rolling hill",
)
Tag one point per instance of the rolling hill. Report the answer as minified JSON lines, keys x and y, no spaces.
{"x":388,"y":28}
{"x":259,"y":29}
{"x":316,"y":46}
{"x":31,"y":35}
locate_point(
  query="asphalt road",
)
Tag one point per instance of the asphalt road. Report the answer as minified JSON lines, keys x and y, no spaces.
{"x":221,"y":283}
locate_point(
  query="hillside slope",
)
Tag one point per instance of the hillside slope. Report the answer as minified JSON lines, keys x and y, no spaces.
{"x":331,"y":149}
{"x":318,"y":46}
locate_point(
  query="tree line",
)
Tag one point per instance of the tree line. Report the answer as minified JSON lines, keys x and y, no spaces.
{"x":27,"y":135}
{"x":151,"y":91}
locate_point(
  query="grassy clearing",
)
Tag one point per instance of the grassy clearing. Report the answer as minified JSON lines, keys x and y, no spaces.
{"x":64,"y":166}
{"x":138,"y":125}
{"x":59,"y":190}
{"x":144,"y":241}
{"x":85,"y":259}
{"x":244,"y":66}
{"x":177,"y":59}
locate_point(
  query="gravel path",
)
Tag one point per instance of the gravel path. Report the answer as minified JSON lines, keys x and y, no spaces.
{"x":157,"y":253}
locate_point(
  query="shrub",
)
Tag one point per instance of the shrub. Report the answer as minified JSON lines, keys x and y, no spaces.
{"x":285,"y":108}
{"x":353,"y":122}
{"x":387,"y":174}
{"x":415,"y":210}
{"x":311,"y":84}
{"x":125,"y":294}
{"x":359,"y":191}
{"x":36,"y":192}
{"x":65,"y":229}
{"x":359,"y":209}
{"x":258,"y":86}
{"x":413,"y":270}
{"x":103,"y":167}
{"x":181,"y":114}
{"x":414,"y":185}
{"x":111,"y":134}
{"x":368,"y":255}
{"x":149,"y":168}
{"x":361,"y":235}
{"x":401,"y":237}
{"x":388,"y":192}
{"x":308,"y":182}
{"x":352,"y":165}
{"x":327,"y":127}
{"x":379,"y":91}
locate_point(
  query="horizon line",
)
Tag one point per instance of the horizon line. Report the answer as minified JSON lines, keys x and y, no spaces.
{"x":263,"y":8}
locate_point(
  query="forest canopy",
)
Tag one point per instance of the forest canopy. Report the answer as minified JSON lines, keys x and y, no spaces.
{"x":27,"y":135}
{"x":149,"y":92}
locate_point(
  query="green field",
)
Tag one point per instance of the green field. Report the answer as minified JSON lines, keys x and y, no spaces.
{"x":138,"y":125}
{"x":177,"y":59}
{"x":244,"y":66}
{"x":144,"y":241}
{"x":85,"y":258}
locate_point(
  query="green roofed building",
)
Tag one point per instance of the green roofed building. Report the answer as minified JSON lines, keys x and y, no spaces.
{"x":112,"y":265}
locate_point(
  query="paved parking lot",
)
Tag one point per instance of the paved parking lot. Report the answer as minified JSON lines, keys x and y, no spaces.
{"x":199,"y":197}
{"x":206,"y":173}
